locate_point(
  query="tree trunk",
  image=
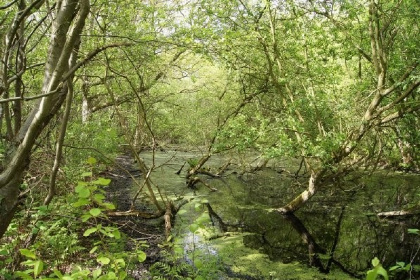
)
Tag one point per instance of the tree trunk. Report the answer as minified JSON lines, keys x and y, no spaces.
{"x":66,"y":29}
{"x":301,"y":199}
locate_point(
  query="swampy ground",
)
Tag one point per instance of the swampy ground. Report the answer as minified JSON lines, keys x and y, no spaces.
{"x":233,"y":234}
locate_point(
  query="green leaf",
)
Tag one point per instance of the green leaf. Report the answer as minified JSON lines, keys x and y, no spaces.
{"x":28,"y":262}
{"x":81,"y":202}
{"x":86,"y":217}
{"x":103,"y":260}
{"x":371,"y":274}
{"x":96,"y":273}
{"x":392,"y":268}
{"x":82,"y":191}
{"x":4,"y":252}
{"x":198,"y":263}
{"x":108,"y":206}
{"x":122,"y":274}
{"x":91,"y":161}
{"x":382,"y":271}
{"x":58,"y":273}
{"x":117,"y":234}
{"x":102,"y":181}
{"x":197,"y":206}
{"x":120,"y":262}
{"x":28,"y":253}
{"x":401,"y":264}
{"x":375,"y":262}
{"x":93,"y":250}
{"x":141,"y":256}
{"x":408,"y":267}
{"x":87,"y":174}
{"x":38,"y":267}
{"x":194,"y":227}
{"x":89,"y":231}
{"x":99,"y":198}
{"x":414,"y":231}
{"x":111,"y":275}
{"x":106,"y":232}
{"x":22,"y":275}
{"x":95,"y":212}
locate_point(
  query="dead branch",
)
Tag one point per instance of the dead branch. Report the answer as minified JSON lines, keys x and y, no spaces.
{"x":136,"y":213}
{"x":223,"y":168}
{"x":401,"y":213}
{"x":179,"y":171}
{"x":194,"y":180}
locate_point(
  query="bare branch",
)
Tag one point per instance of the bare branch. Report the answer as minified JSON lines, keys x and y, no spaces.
{"x":89,"y":57}
{"x":8,"y":5}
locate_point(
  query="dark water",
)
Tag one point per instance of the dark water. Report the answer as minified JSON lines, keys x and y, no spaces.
{"x":340,"y":221}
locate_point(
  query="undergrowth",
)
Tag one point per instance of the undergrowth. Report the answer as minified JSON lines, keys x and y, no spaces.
{"x":72,"y":238}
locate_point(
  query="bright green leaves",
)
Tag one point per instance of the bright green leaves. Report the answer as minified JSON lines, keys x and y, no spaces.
{"x":90,"y":231}
{"x":90,"y":193}
{"x":400,"y":266}
{"x":102,"y":181}
{"x":82,"y":190}
{"x":91,"y":198}
{"x":36,"y":265}
{"x":141,"y":256}
{"x":414,"y":231}
{"x":194,"y":227}
{"x":91,"y":161}
{"x":28,"y":253}
{"x":95,"y":212}
{"x":377,"y":270}
{"x":103,"y":260}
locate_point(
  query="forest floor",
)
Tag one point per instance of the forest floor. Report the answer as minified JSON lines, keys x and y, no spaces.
{"x":150,"y":232}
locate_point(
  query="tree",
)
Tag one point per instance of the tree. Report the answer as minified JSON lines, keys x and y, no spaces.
{"x":396,"y":84}
{"x":61,"y":63}
{"x":341,"y":76}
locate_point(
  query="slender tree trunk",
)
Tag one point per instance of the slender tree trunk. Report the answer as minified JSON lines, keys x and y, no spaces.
{"x":60,"y":141}
{"x":65,"y":33}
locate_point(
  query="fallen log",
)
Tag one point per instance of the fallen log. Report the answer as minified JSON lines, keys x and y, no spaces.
{"x":400,"y":213}
{"x":136,"y":213}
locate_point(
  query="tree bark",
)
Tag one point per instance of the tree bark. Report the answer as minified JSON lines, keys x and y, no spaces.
{"x":66,"y":29}
{"x":302,"y":198}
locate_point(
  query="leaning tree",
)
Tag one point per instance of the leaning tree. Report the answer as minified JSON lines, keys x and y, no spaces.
{"x":24,"y":26}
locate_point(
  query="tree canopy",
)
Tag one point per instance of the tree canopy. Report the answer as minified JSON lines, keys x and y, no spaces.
{"x":333,"y":84}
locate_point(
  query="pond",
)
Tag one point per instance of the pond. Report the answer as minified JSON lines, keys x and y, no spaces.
{"x":236,"y":226}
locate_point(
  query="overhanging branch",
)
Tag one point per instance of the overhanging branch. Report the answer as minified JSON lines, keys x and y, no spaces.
{"x":89,"y":57}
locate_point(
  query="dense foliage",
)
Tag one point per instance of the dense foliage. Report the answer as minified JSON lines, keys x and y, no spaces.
{"x":332,"y":84}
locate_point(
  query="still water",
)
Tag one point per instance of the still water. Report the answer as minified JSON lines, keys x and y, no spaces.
{"x":237,"y":224}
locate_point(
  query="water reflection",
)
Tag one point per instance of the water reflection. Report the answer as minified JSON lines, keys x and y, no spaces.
{"x":336,"y":229}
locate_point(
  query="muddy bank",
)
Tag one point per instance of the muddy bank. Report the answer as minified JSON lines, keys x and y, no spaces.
{"x":137,"y":229}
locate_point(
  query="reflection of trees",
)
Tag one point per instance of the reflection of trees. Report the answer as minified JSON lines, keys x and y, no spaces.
{"x":314,"y":249}
{"x":319,"y":257}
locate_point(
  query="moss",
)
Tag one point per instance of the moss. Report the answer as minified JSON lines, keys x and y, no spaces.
{"x":245,"y":261}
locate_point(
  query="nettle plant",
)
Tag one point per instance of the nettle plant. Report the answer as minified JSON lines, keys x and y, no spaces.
{"x":92,"y":207}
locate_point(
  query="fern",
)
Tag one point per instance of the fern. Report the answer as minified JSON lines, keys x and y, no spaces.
{"x":166,"y":271}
